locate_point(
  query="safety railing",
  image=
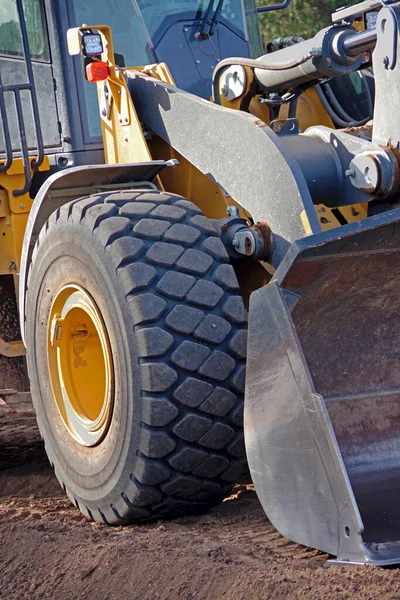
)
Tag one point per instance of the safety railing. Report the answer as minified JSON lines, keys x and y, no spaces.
{"x":16,"y":89}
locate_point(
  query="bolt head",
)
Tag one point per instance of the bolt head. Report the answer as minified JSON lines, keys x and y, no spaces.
{"x":232,"y":211}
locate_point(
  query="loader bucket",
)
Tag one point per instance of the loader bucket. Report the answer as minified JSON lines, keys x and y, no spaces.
{"x":322,"y":410}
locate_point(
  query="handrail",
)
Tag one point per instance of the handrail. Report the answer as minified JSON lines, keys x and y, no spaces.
{"x":16,"y":89}
{"x":261,"y":9}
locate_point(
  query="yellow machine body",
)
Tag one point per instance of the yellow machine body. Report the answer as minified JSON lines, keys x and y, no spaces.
{"x":14,"y":213}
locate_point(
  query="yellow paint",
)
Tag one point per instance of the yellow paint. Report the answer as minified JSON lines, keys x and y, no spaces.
{"x":80,"y":365}
{"x":12,"y":230}
{"x":328,"y":219}
{"x":309,"y":107}
{"x":4,"y":204}
{"x":158,"y":71}
{"x":310,"y":111}
{"x":11,"y":349}
{"x":14,"y":212}
{"x":359,"y":24}
{"x":355,"y":212}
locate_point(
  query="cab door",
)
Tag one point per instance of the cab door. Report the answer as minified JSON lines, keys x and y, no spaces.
{"x":13,"y":70}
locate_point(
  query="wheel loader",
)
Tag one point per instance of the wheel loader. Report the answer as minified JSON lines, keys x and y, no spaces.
{"x":204,"y":229}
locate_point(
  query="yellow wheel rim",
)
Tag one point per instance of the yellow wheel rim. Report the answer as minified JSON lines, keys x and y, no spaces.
{"x":80,"y":365}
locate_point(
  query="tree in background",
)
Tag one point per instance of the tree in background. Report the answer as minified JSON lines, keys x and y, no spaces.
{"x":302,"y":17}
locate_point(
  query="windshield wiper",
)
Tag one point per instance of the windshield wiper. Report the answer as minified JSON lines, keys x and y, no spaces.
{"x":208,"y":26}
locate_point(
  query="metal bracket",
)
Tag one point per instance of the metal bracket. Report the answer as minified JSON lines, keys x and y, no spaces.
{"x":386,"y":127}
{"x":285,"y":126}
{"x":106,"y":101}
{"x":388,"y":26}
{"x":349,"y":12}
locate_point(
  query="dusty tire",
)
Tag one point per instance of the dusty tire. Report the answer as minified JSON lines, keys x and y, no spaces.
{"x":169,"y":300}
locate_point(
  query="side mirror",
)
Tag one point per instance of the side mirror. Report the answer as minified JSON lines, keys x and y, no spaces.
{"x":261,"y":9}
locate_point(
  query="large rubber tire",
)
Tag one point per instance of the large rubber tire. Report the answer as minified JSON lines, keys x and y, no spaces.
{"x":160,"y":276}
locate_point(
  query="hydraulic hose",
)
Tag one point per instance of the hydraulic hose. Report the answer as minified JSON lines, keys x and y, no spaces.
{"x":255,"y":64}
{"x":337,"y":119}
{"x":283,"y":42}
{"x":340,"y":110}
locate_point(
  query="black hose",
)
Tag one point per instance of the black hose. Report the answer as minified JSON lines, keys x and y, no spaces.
{"x":336,"y":106}
{"x":293,"y":108}
{"x":338,"y":114}
{"x":337,"y":120}
{"x":254,"y":64}
{"x":283,"y":42}
{"x":339,"y":109}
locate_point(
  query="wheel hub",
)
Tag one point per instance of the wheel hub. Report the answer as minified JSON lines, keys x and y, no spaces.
{"x":80,"y":365}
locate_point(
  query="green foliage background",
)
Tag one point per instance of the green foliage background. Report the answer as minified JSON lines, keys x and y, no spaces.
{"x":302,"y":17}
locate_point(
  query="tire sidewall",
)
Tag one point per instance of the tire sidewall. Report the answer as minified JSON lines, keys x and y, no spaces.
{"x":74,"y":255}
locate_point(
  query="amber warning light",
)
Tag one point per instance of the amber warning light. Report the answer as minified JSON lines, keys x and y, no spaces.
{"x":96,"y":71}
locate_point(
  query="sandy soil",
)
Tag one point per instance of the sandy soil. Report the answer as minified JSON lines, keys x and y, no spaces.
{"x":48,"y":550}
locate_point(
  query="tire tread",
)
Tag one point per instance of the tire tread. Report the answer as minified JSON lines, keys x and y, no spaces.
{"x":173,"y":270}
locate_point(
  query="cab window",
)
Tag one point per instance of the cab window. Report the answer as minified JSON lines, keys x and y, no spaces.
{"x":253,"y":29}
{"x":158,"y":15}
{"x":10,"y":30}
{"x":132,"y":48}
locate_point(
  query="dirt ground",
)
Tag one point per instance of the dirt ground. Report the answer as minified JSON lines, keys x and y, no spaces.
{"x":48,"y":550}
